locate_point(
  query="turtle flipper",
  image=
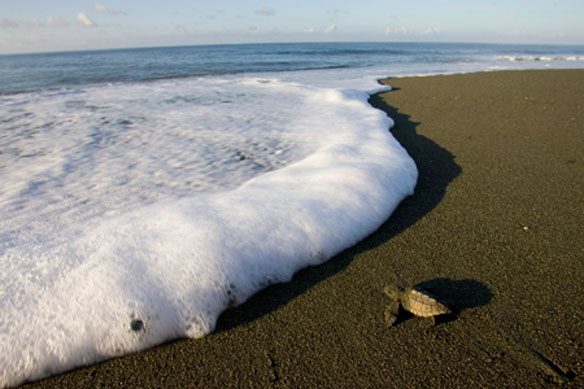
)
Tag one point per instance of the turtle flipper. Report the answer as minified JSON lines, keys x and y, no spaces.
{"x":391,"y":313}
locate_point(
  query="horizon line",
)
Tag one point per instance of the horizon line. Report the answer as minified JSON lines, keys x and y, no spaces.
{"x":146,"y":47}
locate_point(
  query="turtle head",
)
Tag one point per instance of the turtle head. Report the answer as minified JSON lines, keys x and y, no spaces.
{"x":392,"y":291}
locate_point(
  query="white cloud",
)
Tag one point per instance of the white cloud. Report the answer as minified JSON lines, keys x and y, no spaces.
{"x":84,"y":20}
{"x":33,"y":22}
{"x":331,"y":28}
{"x":396,"y":30}
{"x":400,"y":30}
{"x":265,"y":11}
{"x":104,"y":10}
{"x":7,"y":23}
{"x":56,"y":21}
{"x":432,"y":31}
{"x":310,"y":29}
{"x":179,"y":28}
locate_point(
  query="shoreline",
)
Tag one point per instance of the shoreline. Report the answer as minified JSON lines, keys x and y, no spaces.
{"x":494,"y":225}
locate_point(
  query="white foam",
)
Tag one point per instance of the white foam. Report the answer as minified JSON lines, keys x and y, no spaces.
{"x":545,"y":58}
{"x":95,"y":242}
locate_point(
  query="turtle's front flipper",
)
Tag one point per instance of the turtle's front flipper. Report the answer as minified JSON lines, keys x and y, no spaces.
{"x":391,"y":313}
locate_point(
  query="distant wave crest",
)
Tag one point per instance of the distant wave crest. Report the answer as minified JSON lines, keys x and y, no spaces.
{"x":514,"y":58}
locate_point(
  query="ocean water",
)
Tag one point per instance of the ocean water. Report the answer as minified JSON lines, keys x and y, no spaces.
{"x":145,"y":191}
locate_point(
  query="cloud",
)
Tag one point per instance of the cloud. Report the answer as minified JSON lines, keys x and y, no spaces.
{"x":33,"y":22}
{"x":432,"y":31}
{"x":55,"y":21}
{"x":406,"y":31}
{"x":7,"y":23}
{"x":310,"y":29}
{"x":265,"y":11}
{"x":84,"y":20}
{"x":102,"y":9}
{"x":331,"y":28}
{"x":397,"y":30}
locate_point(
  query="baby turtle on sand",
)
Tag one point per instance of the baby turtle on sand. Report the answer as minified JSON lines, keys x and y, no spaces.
{"x":415,"y":300}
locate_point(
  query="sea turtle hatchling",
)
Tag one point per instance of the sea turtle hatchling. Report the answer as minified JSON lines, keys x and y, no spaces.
{"x":414,"y":300}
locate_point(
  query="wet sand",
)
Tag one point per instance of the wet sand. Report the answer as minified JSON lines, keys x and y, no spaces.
{"x":495,"y":228}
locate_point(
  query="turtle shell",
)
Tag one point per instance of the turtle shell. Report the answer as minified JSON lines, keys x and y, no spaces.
{"x":422,"y":303}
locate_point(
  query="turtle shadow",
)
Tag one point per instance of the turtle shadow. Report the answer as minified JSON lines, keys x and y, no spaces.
{"x":437,"y":169}
{"x":458,"y":295}
{"x":404,"y":316}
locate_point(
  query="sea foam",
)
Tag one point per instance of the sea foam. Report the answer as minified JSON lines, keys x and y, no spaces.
{"x":135,"y":214}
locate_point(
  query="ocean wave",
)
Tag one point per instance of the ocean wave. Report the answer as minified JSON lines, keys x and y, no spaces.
{"x":537,"y":58}
{"x":121,"y":264}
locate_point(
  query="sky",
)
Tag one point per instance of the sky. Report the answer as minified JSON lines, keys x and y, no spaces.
{"x":62,"y":25}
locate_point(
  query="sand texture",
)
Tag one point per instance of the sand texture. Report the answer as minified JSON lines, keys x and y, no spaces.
{"x":495,"y":227}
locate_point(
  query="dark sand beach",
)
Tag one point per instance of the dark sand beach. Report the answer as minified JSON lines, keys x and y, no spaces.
{"x":495,"y":227}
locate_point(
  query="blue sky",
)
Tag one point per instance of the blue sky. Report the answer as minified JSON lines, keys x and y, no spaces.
{"x":54,"y":25}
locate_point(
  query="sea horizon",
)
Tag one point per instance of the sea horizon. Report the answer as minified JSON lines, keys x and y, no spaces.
{"x":219,"y":44}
